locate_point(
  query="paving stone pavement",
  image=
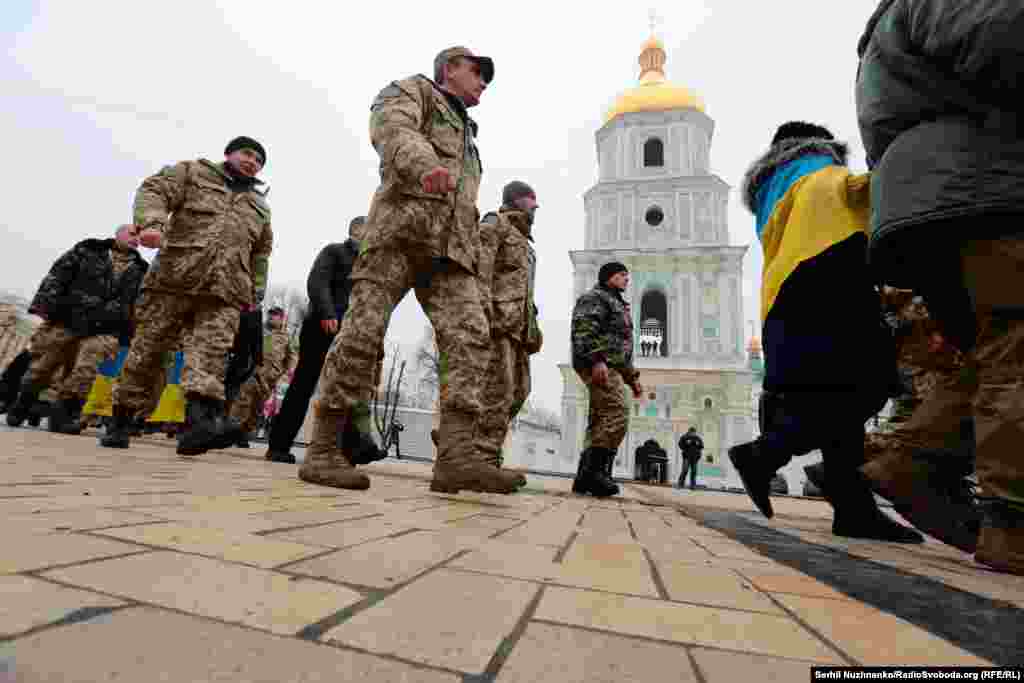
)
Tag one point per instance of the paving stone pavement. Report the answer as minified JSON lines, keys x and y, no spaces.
{"x":138,"y":565}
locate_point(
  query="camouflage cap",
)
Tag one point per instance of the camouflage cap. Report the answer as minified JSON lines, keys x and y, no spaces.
{"x":514,"y":190}
{"x":443,"y":57}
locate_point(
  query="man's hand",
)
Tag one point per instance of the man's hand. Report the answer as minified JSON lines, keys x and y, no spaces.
{"x":438,"y":180}
{"x":330,"y":327}
{"x":638,"y":389}
{"x":599,"y":374}
{"x":150,"y":238}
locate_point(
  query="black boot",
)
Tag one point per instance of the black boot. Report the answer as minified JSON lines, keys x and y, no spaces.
{"x":756,"y":467}
{"x":592,"y":477}
{"x":118,"y":429}
{"x":205,"y":426}
{"x":857,"y":515}
{"x":22,"y":408}
{"x":280,"y":456}
{"x":230,"y":428}
{"x":358,"y":446}
{"x":816,"y":475}
{"x":65,"y":416}
{"x":243,"y":440}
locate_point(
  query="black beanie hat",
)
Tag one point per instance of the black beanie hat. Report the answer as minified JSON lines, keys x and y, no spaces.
{"x":515,"y":190}
{"x":609,"y":269}
{"x":243,"y":142}
{"x":799,"y":130}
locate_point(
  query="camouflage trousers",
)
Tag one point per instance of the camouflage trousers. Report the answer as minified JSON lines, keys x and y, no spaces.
{"x":937,"y":419}
{"x":247,"y":407}
{"x":508,"y":386}
{"x":450,"y":298}
{"x":990,"y":267}
{"x":608,"y":416}
{"x":203,"y":327}
{"x":54,"y":347}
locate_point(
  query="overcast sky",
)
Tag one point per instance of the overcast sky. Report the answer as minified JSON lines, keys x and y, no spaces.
{"x":98,"y":95}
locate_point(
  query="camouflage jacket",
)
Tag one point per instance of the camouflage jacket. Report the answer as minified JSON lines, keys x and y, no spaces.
{"x":83,"y":292}
{"x":217,"y":239}
{"x":508,"y":271}
{"x":278,"y":356}
{"x":602,"y":331}
{"x":414,"y":128}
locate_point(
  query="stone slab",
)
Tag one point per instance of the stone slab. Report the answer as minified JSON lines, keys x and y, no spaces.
{"x":27,"y":603}
{"x":37,"y":551}
{"x":712,"y":586}
{"x":730,"y":667}
{"x":343,"y":534}
{"x":447,"y":619}
{"x":198,"y":585}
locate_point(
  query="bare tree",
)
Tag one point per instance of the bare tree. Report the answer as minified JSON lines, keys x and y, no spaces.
{"x":428,"y":359}
{"x":294,"y":302}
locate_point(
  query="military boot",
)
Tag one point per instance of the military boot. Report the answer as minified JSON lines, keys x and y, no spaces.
{"x":325,"y":463}
{"x":243,"y":440}
{"x":592,"y":474}
{"x":118,"y":433}
{"x":1001,"y":544}
{"x":497,"y":460}
{"x":458,"y":465}
{"x":931,"y":492}
{"x":856,"y":514}
{"x":280,"y":456}
{"x":205,"y":426}
{"x":23,"y":407}
{"x":229,"y":429}
{"x":816,"y":475}
{"x":65,"y":415}
{"x":355,"y":439}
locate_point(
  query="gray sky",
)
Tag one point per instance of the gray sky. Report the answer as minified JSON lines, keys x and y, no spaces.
{"x":99,"y":95}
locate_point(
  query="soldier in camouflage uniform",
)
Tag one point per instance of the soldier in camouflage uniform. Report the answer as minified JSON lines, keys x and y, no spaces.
{"x":86,"y":303}
{"x":212,"y":225}
{"x":602,"y":356}
{"x":278,"y":359}
{"x":508,"y":267}
{"x":422,"y":234}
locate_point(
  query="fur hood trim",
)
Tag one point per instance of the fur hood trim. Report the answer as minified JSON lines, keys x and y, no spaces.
{"x":781,"y":154}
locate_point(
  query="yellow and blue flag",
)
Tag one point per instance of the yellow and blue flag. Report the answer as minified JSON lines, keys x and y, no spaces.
{"x":100,"y":398}
{"x":172,"y":401}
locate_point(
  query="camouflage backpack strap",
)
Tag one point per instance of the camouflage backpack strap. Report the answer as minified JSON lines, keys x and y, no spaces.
{"x":429,"y":109}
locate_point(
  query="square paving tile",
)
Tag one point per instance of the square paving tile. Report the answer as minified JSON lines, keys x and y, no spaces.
{"x":730,"y":667}
{"x":448,"y":619}
{"x":342,"y":534}
{"x":145,"y":644}
{"x":233,"y":547}
{"x":26,"y":603}
{"x":255,"y":597}
{"x":712,"y":586}
{"x":36,"y":551}
{"x":744,"y":631}
{"x":386,"y":562}
{"x":559,"y":654}
{"x":874,"y":638}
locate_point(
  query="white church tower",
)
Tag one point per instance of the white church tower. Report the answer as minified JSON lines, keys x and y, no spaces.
{"x":658,"y":208}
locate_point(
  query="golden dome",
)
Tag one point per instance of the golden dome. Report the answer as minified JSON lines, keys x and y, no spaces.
{"x":654,"y":92}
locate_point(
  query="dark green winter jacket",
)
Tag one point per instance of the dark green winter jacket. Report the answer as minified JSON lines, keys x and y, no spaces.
{"x":602,"y":332}
{"x":937,"y":102}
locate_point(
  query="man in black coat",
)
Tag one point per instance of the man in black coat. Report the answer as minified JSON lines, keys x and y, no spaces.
{"x":86,"y":303}
{"x":938,"y":103}
{"x":690,"y":445}
{"x":328,"y":287}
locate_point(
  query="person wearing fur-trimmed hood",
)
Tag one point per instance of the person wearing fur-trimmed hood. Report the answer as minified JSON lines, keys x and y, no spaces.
{"x":825,"y":364}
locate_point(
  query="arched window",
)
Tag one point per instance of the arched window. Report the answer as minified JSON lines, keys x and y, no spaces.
{"x":707,"y":404}
{"x":654,"y":153}
{"x":654,"y":328}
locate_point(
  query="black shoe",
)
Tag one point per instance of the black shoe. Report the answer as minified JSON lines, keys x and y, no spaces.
{"x":280,"y":456}
{"x":243,"y":441}
{"x":756,"y":474}
{"x":592,"y":476}
{"x":230,"y":430}
{"x":64,"y":418}
{"x":118,"y":429}
{"x":206,"y":426}
{"x":857,"y":514}
{"x":23,"y":408}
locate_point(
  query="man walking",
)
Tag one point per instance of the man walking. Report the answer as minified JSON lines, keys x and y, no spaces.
{"x":691,"y":446}
{"x":602,"y":356}
{"x":508,"y":269}
{"x":939,"y":113}
{"x":328,"y":287}
{"x":86,"y":303}
{"x":278,"y":359}
{"x":212,"y":225}
{"x":423,"y":234}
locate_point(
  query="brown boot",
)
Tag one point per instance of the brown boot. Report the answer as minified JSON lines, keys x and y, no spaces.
{"x":459,"y":467}
{"x":325,"y":463}
{"x":496,"y":460}
{"x":1001,"y":545}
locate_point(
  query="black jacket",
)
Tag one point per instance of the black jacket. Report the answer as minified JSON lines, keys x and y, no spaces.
{"x":691,"y":445}
{"x":81,"y":292}
{"x":938,"y":102}
{"x":328,"y":284}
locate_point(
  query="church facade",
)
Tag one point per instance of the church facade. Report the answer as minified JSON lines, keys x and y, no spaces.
{"x":658,"y":209}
